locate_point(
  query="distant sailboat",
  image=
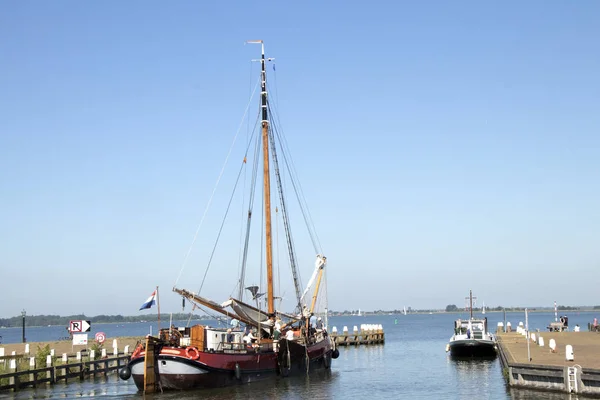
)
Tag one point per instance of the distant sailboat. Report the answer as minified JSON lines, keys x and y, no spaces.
{"x":404,"y":311}
{"x":483,"y":308}
{"x":359,"y":313}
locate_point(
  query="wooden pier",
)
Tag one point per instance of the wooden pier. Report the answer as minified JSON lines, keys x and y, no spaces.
{"x":558,"y":361}
{"x":367,"y":334}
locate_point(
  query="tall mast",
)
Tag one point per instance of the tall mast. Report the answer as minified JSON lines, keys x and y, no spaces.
{"x":266,"y":180}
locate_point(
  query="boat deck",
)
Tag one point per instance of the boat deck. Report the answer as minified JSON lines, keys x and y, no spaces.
{"x":586,"y":349}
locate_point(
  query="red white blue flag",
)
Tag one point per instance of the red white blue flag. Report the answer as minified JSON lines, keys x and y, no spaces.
{"x":150,"y":302}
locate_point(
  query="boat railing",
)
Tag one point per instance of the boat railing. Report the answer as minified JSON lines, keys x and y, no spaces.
{"x":227,"y":347}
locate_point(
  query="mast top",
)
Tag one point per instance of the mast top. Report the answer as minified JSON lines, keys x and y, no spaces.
{"x":262,"y":44}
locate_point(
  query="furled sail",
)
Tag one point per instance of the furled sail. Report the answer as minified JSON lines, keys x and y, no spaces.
{"x":247,"y":312}
{"x":319,"y":263}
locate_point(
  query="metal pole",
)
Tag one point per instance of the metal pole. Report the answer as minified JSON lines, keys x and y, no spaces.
{"x":527,"y":334}
{"x":158,"y":305}
{"x":23,"y":314}
{"x":504,"y":318}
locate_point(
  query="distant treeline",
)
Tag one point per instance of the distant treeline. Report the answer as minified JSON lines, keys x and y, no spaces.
{"x":454,"y":308}
{"x":45,"y":320}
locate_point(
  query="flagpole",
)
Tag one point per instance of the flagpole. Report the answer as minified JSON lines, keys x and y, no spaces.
{"x":158,"y":304}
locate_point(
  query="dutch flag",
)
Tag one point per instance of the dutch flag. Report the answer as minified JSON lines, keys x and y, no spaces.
{"x":150,"y":302}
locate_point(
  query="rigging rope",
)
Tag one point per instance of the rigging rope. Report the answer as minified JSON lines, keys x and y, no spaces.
{"x":223,"y":221}
{"x":295,"y":181}
{"x":238,"y":284}
{"x":286,"y":223}
{"x":249,"y":221}
{"x":299,"y":192}
{"x":187,"y":255}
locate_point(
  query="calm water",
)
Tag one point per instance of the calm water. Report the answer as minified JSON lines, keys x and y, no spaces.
{"x":411,"y":364}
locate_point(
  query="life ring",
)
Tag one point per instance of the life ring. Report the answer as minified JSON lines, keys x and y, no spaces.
{"x":192,"y":353}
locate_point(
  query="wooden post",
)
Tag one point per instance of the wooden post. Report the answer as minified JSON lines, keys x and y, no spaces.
{"x":32,"y":377}
{"x":13,"y":368}
{"x":149,"y":373}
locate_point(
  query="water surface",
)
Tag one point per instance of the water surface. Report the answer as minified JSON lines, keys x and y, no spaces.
{"x":412,"y":364}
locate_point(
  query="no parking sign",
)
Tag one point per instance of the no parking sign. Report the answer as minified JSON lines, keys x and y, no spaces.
{"x":100,"y":337}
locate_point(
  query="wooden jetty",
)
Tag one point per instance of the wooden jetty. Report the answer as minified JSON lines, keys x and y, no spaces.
{"x":558,"y":361}
{"x":367,"y":334}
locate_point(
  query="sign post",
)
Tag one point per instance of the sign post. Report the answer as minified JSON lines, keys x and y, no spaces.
{"x":77,"y":329}
{"x":527,"y":334}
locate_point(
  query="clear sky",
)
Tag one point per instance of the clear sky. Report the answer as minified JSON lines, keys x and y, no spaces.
{"x":442,"y":146}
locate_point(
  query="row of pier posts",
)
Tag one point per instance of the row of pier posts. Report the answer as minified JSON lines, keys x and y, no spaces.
{"x":18,"y":373}
{"x":367,"y":334}
{"x":537,"y":339}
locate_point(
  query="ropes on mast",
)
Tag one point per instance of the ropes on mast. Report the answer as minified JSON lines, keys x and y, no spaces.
{"x":187,"y":255}
{"x":222,"y":224}
{"x":289,"y":164}
{"x":249,"y":218}
{"x":286,"y":223}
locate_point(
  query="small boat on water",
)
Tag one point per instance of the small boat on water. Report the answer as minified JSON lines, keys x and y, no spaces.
{"x":471,"y":337}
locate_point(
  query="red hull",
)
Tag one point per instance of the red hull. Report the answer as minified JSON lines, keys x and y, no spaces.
{"x":176,"y":370}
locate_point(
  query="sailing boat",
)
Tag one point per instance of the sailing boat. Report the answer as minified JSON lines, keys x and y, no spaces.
{"x":275,"y":343}
{"x":471,"y":337}
{"x":483,"y":308}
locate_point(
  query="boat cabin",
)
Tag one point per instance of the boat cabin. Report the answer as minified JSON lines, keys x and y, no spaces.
{"x":471,"y":328}
{"x":212,"y":340}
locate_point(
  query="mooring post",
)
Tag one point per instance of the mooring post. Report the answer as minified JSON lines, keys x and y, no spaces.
{"x":149,"y":373}
{"x":32,"y":377}
{"x":13,"y":368}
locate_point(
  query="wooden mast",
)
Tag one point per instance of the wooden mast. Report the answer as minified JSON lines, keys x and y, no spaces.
{"x":314,"y":299}
{"x":267,"y":184}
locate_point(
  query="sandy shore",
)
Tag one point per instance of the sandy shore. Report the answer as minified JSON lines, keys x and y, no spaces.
{"x":66,"y":346}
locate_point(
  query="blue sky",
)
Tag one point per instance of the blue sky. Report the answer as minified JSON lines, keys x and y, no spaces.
{"x":442,"y":147}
